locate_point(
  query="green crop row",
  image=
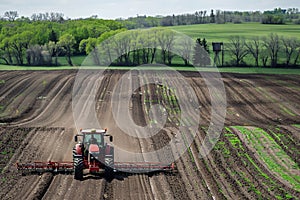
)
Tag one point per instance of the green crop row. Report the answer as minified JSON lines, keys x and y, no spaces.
{"x":271,"y":154}
{"x":236,"y":143}
{"x":296,"y":125}
{"x":247,"y":159}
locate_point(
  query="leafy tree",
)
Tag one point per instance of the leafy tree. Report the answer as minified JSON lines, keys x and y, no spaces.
{"x":5,"y":50}
{"x":41,"y":32}
{"x":67,"y":42}
{"x":90,"y":46}
{"x":96,"y":31}
{"x":277,"y":16}
{"x":273,"y":19}
{"x":19,"y":43}
{"x":106,"y":40}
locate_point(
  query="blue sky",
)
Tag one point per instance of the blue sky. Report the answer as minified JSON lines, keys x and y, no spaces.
{"x":112,"y":9}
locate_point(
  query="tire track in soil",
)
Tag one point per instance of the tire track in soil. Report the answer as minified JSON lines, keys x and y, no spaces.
{"x":283,"y":97}
{"x":194,"y":176}
{"x":104,"y":116}
{"x":211,"y":171}
{"x":268,"y":110}
{"x":41,"y":183}
{"x":241,"y":98}
{"x":103,"y":108}
{"x":66,"y":187}
{"x":12,"y":83}
{"x":57,"y":106}
{"x":46,"y":186}
{"x":10,"y":95}
{"x":186,"y":184}
{"x":19,"y":188}
{"x":156,"y":183}
{"x":28,"y":97}
{"x":174,"y":183}
{"x":283,"y":87}
{"x":202,"y":94}
{"x":129,"y":186}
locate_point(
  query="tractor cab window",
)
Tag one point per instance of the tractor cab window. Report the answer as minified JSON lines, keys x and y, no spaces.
{"x":93,"y":139}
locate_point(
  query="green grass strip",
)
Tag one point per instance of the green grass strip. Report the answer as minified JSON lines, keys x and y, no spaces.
{"x":242,"y":70}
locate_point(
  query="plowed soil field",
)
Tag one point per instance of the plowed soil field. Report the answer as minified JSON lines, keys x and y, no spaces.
{"x":256,"y":157}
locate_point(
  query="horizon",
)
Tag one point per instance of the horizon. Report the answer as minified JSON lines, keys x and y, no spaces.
{"x":141,"y":15}
{"x":114,"y":9}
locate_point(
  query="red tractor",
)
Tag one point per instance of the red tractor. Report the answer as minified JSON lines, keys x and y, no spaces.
{"x":92,"y":154}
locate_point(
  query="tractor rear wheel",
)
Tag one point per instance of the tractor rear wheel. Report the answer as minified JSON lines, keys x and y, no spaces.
{"x":78,"y":168}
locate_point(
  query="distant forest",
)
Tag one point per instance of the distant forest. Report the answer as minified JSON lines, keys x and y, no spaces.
{"x":276,"y":16}
{"x":40,"y":39}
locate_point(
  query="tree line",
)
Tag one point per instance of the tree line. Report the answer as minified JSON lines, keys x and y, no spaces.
{"x":43,"y":38}
{"x":273,"y":51}
{"x":30,"y":42}
{"x":161,"y":46}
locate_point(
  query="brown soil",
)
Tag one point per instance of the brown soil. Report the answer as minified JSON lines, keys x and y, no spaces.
{"x":37,"y":125}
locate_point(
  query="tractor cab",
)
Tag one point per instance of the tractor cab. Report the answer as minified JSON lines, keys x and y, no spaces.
{"x":92,"y":142}
{"x":93,"y":136}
